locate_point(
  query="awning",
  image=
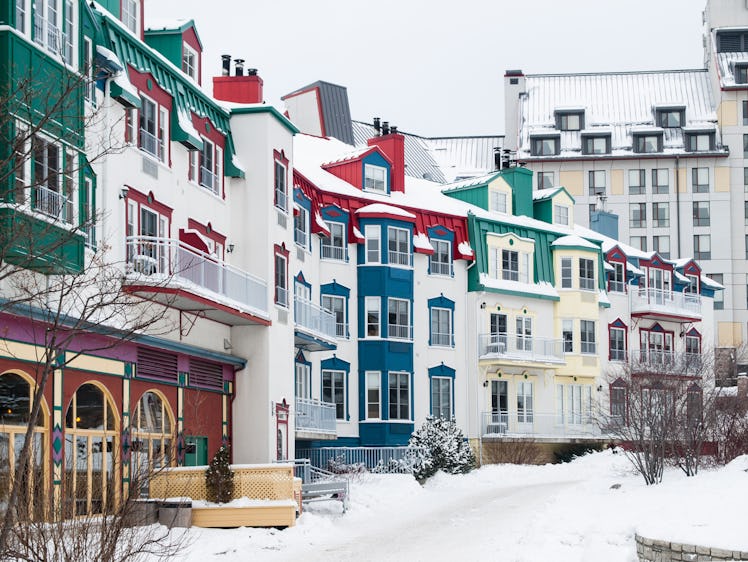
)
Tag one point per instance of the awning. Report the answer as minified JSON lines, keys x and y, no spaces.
{"x":194,"y":239}
{"x":182,"y":129}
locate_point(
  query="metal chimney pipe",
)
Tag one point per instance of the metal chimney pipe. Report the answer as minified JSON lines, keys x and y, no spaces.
{"x":251,"y":72}
{"x":385,"y":127}
{"x":225,"y":65}
{"x":239,"y":66}
{"x":377,"y":125}
{"x":393,"y":129}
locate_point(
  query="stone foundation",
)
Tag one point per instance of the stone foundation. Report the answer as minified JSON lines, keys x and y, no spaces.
{"x":651,"y":550}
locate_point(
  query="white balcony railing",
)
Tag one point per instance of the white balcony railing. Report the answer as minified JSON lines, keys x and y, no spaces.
{"x":521,"y":347}
{"x":315,"y":416}
{"x":400,"y":258}
{"x":399,"y":332}
{"x":314,"y":318}
{"x":657,"y":362}
{"x":151,"y":144}
{"x":617,"y":286}
{"x":527,"y":422}
{"x":441,"y":268}
{"x":331,"y":252}
{"x":165,"y":259}
{"x":208,"y":179}
{"x":46,"y":33}
{"x":53,"y":204}
{"x":665,"y":302}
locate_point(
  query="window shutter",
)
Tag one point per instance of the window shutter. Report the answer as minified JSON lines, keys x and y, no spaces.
{"x":158,"y":365}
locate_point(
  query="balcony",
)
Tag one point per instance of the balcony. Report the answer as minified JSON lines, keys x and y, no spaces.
{"x":208,"y":179}
{"x":331,"y":252}
{"x":657,"y":304}
{"x":667,"y":363}
{"x":551,"y":426}
{"x":185,"y":278}
{"x":53,"y":204}
{"x":522,"y":348}
{"x":314,"y":327}
{"x":151,"y":144}
{"x":315,"y":419}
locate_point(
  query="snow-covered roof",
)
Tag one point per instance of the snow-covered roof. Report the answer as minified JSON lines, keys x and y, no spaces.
{"x":573,"y":240}
{"x":422,"y":242}
{"x":470,"y":182}
{"x":385,"y":209}
{"x":621,"y":103}
{"x":350,"y":155}
{"x":711,"y":283}
{"x":547,"y":193}
{"x":542,"y":288}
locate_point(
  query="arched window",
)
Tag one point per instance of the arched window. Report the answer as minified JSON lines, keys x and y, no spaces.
{"x":152,"y":428}
{"x":16,"y":396}
{"x":91,"y":446}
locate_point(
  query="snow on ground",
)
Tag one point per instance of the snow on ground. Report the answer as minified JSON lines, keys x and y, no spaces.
{"x":568,"y":512}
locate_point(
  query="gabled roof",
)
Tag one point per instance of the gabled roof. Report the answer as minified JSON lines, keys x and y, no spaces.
{"x":471,"y":182}
{"x":549,"y":193}
{"x":168,"y":27}
{"x":355,"y":155}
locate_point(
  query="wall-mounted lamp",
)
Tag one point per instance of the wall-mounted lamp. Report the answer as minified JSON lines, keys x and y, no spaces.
{"x":599,"y":388}
{"x":483,"y":305}
{"x":229,"y":248}
{"x":485,"y":384}
{"x":123,"y":193}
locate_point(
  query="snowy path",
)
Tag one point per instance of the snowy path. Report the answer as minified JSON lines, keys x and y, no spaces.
{"x":479,"y":523}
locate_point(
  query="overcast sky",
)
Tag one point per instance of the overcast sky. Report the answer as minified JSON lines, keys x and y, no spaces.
{"x":432,"y":67}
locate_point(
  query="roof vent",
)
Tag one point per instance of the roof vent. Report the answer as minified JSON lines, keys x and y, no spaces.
{"x":225,"y":65}
{"x":239,"y":63}
{"x":251,"y":72}
{"x":385,"y":127}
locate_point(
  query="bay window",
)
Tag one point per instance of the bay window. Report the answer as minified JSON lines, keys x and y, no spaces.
{"x":333,"y":246}
{"x":398,"y":318}
{"x":398,"y":244}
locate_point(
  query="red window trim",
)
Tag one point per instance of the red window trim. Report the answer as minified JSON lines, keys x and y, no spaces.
{"x":624,"y":327}
{"x":161,"y":97}
{"x":281,"y":251}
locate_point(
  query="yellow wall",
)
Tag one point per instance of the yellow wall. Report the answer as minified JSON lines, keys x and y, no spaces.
{"x":721,"y":178}
{"x":572,"y":180}
{"x":730,"y":333}
{"x":501,"y":185}
{"x":616,"y":182}
{"x":682,"y":181}
{"x":727,"y":113}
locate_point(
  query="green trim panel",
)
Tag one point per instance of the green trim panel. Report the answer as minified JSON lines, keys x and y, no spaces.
{"x":266,"y":109}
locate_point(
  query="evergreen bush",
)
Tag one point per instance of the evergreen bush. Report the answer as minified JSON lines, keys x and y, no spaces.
{"x":440,"y":445}
{"x":219,"y":478}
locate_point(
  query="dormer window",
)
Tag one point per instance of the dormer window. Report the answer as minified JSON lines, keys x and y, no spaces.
{"x":701,"y":141}
{"x":375,"y":178}
{"x":670,"y":118}
{"x":561,"y":215}
{"x":570,"y":120}
{"x":647,"y":142}
{"x":189,"y":61}
{"x":598,"y":144}
{"x":129,"y":15}
{"x":545,"y":146}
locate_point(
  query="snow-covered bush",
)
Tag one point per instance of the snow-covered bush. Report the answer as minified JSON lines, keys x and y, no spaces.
{"x":219,"y":478}
{"x":440,"y":445}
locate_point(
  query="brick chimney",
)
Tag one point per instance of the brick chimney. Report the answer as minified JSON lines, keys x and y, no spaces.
{"x":238,"y":88}
{"x":392,"y":144}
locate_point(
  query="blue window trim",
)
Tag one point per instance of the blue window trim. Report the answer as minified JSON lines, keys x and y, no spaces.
{"x":303,"y":201}
{"x":442,"y":302}
{"x":440,"y":232}
{"x":334,"y":363}
{"x":376,"y":159}
{"x":338,"y":290}
{"x":442,"y":371}
{"x":333,"y":213}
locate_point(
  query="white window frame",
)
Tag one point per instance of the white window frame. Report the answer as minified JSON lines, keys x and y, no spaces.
{"x":375,"y":178}
{"x":280,"y":185}
{"x":373,"y":305}
{"x":567,"y":273}
{"x":587,"y":283}
{"x":439,"y":266}
{"x":281,"y":289}
{"x":398,"y":331}
{"x":398,"y":256}
{"x":567,"y":327}
{"x":331,"y":250}
{"x":333,"y":374}
{"x":301,"y":227}
{"x":303,"y":380}
{"x":617,"y":283}
{"x":400,"y":376}
{"x":587,"y":346}
{"x":617,"y":354}
{"x":22,"y":13}
{"x":437,"y":392}
{"x":561,"y":215}
{"x":498,"y":201}
{"x":373,"y":249}
{"x":341,"y":328}
{"x":192,"y":68}
{"x":525,"y":401}
{"x":373,"y":383}
{"x":130,"y":16}
{"x":440,"y":339}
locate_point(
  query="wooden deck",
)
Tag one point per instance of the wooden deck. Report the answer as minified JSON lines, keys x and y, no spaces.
{"x":274,"y":495}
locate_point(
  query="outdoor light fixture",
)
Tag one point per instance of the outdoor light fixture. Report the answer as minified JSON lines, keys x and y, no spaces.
{"x":229,"y":248}
{"x":123,"y":193}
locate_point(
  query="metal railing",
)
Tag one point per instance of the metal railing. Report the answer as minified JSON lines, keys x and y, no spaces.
{"x":667,"y":302}
{"x":666,"y":362}
{"x":521,"y":347}
{"x":315,"y":415}
{"x":381,"y":459}
{"x":331,"y":252}
{"x":399,"y":332}
{"x":208,"y":179}
{"x":151,"y":144}
{"x":47,"y":33}
{"x":281,"y":296}
{"x":399,"y":258}
{"x":166,"y":258}
{"x":314,"y":318}
{"x":301,"y":237}
{"x":441,"y":268}
{"x":526,"y":423}
{"x":441,"y":339}
{"x":281,"y":199}
{"x":53,"y":204}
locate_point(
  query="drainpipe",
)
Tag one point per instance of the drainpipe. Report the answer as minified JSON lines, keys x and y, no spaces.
{"x":677,"y":202}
